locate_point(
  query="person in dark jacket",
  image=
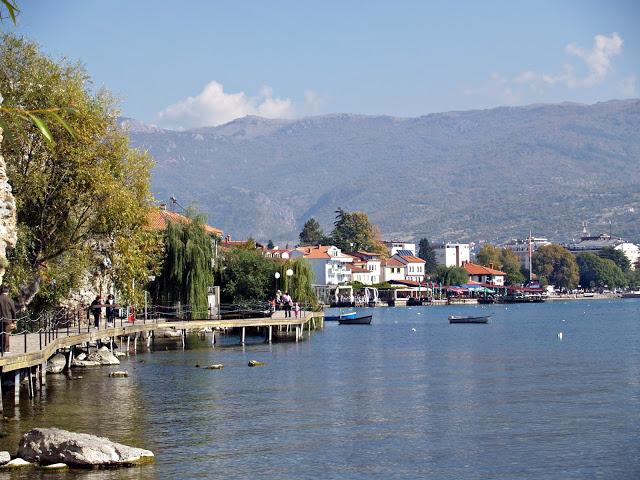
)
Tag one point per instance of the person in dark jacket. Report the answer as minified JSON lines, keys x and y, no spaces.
{"x":111,"y":309}
{"x":7,"y":316}
{"x":96,"y":310}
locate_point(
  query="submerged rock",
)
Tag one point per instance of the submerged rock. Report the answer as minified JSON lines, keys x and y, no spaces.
{"x":255,"y":363}
{"x":119,"y":373}
{"x":215,"y":366}
{"x":85,"y":363}
{"x":56,"y":466}
{"x":104,"y":357}
{"x":56,"y":363}
{"x":52,"y":445}
{"x":17,"y":463}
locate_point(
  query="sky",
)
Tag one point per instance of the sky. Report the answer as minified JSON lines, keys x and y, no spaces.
{"x":202,"y":63}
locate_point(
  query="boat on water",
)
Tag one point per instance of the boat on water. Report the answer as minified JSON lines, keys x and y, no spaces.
{"x":632,"y":294}
{"x":364,"y":320}
{"x":468,"y":319}
{"x":336,"y":318}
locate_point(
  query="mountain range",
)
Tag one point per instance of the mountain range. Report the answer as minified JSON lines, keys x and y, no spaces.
{"x":458,"y":176}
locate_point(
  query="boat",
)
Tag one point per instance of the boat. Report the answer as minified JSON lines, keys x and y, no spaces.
{"x":468,"y":319}
{"x":335,"y":318}
{"x":364,"y":320}
{"x":631,"y":294}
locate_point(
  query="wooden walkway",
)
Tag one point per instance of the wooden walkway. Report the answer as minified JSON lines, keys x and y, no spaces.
{"x":34,"y":349}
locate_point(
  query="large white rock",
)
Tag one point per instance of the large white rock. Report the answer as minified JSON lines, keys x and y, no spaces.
{"x":17,"y":463}
{"x":56,"y":363}
{"x":85,"y":363}
{"x":104,"y":356}
{"x":5,"y":457}
{"x":52,"y":445}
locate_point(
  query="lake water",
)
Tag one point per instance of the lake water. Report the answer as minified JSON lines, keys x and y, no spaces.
{"x":499,"y":401}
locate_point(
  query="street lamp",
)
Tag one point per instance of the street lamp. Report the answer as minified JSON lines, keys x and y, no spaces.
{"x":277,"y":275}
{"x":289,"y":273}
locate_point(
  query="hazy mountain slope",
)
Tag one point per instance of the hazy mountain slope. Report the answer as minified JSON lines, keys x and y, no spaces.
{"x":489,"y":174}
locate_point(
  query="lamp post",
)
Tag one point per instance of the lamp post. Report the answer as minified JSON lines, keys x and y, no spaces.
{"x":277,"y":275}
{"x":289,"y":274}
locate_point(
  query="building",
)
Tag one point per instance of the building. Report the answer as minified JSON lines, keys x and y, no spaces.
{"x":452,"y":254}
{"x":486,"y":275}
{"x":280,"y":253}
{"x":414,"y":267}
{"x":401,"y":247}
{"x":360,"y":274}
{"x":589,"y":244}
{"x":330,"y":266}
{"x":521,"y":248}
{"x":159,"y":218}
{"x":372,"y":262}
{"x":392,"y":269}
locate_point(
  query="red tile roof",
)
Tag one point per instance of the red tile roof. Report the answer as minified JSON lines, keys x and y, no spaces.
{"x":412,"y":259}
{"x":356,"y":269}
{"x":392,"y":262}
{"x":158,"y":219}
{"x":475,"y":269}
{"x":318,"y":251}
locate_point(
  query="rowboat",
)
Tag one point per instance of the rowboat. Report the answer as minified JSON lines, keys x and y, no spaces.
{"x":335,"y":318}
{"x":467,"y":319}
{"x":364,"y":320}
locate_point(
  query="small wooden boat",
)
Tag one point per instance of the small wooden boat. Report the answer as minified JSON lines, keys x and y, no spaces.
{"x":468,"y":319}
{"x":364,"y":320}
{"x":335,"y":318}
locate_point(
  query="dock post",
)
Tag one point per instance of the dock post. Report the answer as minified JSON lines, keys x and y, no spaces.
{"x":213,"y":337}
{"x":148,"y":339}
{"x":30,"y":382}
{"x":128,"y":341}
{"x":242,"y":340}
{"x":16,"y":387}
{"x":68,"y":362}
{"x":1,"y":404}
{"x":135,"y":343}
{"x":297,"y":333}
{"x":309,"y":323}
{"x":153,"y":338}
{"x":43,"y":374}
{"x":182,"y":335}
{"x":270,"y":333}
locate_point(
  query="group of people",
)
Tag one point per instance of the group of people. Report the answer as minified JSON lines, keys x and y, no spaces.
{"x":96,"y":310}
{"x":283,"y":301}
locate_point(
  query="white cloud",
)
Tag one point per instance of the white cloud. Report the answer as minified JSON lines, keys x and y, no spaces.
{"x":213,"y":106}
{"x":597,"y":61}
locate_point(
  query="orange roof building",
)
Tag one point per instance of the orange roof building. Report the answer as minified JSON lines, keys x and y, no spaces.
{"x":481,"y":274}
{"x":159,"y":219}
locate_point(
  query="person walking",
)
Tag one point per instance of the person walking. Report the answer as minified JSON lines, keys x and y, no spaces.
{"x":111,"y":309}
{"x":287,"y":302}
{"x":7,"y":316}
{"x":96,"y":310}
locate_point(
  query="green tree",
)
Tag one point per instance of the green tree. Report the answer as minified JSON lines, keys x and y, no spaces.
{"x":79,"y":199}
{"x":490,"y":255}
{"x":617,"y":256}
{"x":270,"y":245}
{"x":187,"y":269}
{"x":510,"y":264}
{"x":599,"y":272}
{"x":247,"y":276}
{"x":557,"y":265}
{"x":311,"y":233}
{"x":451,"y":275}
{"x":353,"y":231}
{"x":427,"y":253}
{"x":299,"y":285}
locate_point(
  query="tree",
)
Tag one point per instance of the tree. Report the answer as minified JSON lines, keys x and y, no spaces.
{"x":490,"y":255}
{"x":353,"y":231}
{"x":299,"y":285}
{"x":81,"y":198}
{"x":617,"y":256}
{"x":311,"y":233}
{"x":187,"y":269}
{"x":270,"y":245}
{"x":427,"y":253}
{"x":510,"y":264}
{"x":452,"y":275}
{"x":246,"y":275}
{"x":557,"y":265}
{"x":599,"y":272}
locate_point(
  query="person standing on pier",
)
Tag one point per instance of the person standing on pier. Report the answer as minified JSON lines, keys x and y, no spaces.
{"x":7,"y":315}
{"x":96,"y":310}
{"x":287,"y":302}
{"x":111,"y":309}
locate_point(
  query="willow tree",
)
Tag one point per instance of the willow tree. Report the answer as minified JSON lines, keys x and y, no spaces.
{"x":299,"y":284}
{"x":187,"y":270}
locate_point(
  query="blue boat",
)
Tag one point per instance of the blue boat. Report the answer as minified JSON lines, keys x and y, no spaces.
{"x":342,"y":316}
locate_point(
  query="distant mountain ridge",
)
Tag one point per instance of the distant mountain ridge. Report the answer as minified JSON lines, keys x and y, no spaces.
{"x":471,"y":175}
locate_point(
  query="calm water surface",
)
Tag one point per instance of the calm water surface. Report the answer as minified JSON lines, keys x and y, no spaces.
{"x":501,"y":401}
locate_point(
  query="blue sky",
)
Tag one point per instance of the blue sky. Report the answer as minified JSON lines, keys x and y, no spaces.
{"x":188,"y":64}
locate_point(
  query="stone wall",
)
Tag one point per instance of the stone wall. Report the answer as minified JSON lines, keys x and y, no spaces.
{"x":8,"y":229}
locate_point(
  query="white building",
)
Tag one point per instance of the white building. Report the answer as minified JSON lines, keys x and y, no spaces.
{"x":598,"y":243}
{"x":403,"y":248}
{"x":370,"y":261}
{"x":452,"y":254}
{"x":392,"y":269}
{"x":329,"y":264}
{"x":487,"y":275}
{"x":414,"y":267}
{"x":521,"y":248}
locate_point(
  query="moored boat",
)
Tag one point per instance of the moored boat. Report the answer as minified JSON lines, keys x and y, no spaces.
{"x":364,"y":320}
{"x":335,"y":318}
{"x":469,"y":319}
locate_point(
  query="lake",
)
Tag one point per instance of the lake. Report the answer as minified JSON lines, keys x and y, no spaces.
{"x":408,"y":397}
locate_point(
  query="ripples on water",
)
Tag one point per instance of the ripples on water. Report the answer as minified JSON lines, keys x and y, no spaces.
{"x":504,"y":400}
